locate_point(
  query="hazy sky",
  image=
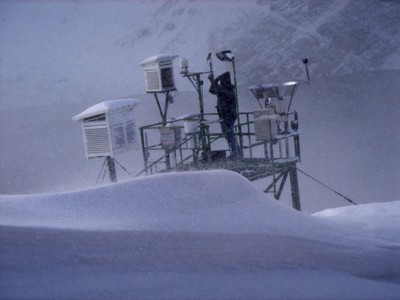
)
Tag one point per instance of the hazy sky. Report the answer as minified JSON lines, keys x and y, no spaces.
{"x":59,"y":57}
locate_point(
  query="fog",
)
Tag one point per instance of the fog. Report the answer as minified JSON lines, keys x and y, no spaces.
{"x":59,"y":57}
{"x":211,"y":235}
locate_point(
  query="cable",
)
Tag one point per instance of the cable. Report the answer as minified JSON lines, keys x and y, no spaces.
{"x":329,"y":188}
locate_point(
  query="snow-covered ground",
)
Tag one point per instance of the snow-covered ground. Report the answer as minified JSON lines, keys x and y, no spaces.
{"x":205,"y":235}
{"x":58,"y":58}
{"x":197,"y":235}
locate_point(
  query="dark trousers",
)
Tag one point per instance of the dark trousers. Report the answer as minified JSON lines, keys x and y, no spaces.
{"x":227,"y":129}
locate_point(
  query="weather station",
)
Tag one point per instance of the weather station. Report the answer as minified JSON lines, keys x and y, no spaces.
{"x":267,"y":138}
{"x":262,"y":144}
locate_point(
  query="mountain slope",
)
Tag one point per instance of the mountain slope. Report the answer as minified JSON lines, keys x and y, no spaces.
{"x":60,"y":57}
{"x":94,"y":49}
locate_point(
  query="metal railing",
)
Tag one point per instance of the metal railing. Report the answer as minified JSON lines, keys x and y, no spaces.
{"x":168,"y":148}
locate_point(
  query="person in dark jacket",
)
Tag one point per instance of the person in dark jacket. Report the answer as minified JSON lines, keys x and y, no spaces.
{"x":226,"y":107}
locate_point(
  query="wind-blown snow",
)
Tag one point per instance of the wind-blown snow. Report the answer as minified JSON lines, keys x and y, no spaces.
{"x":60,"y":57}
{"x":368,"y":218}
{"x":209,"y":235}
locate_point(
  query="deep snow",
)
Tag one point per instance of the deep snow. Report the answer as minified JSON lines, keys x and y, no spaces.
{"x":60,"y":57}
{"x":177,"y":236}
{"x":208,"y":235}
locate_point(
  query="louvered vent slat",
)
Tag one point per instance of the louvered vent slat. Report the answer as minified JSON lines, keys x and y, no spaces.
{"x":130,"y":132}
{"x":97,"y":141}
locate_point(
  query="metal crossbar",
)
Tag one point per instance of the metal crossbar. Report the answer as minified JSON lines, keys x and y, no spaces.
{"x":275,"y":159}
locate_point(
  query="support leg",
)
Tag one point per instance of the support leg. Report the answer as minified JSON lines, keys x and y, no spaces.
{"x":294,"y":185}
{"x":111,"y":169}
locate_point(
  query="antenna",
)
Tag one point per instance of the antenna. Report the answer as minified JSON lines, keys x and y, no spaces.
{"x":305,"y":62}
{"x":269,"y":138}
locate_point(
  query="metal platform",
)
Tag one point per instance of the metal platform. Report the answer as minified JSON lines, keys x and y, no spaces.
{"x":268,"y":137}
{"x":251,"y":168}
{"x":274,"y":160}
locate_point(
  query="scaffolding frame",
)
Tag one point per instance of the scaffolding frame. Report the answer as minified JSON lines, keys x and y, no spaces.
{"x":274,"y":160}
{"x":273,"y":157}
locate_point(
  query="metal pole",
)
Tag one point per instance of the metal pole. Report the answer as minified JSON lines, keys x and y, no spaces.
{"x":199,"y":83}
{"x":204,"y":146}
{"x":305,"y":62}
{"x":237,"y":107}
{"x":163,"y":114}
{"x":166,"y":105}
{"x":111,"y":169}
{"x":160,"y":109}
{"x":143,"y":139}
{"x":281,"y":186}
{"x":294,"y":186}
{"x":164,"y":123}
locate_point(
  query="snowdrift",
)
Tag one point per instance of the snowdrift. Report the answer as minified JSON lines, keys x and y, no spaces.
{"x":213,"y":201}
{"x":348,"y":115}
{"x":209,"y":235}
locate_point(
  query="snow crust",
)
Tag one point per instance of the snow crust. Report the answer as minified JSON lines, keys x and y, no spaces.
{"x":158,"y":58}
{"x":208,"y":235}
{"x":106,"y":106}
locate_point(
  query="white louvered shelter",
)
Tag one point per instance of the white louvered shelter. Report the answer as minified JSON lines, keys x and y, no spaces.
{"x":108,"y":127}
{"x":159,"y":73}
